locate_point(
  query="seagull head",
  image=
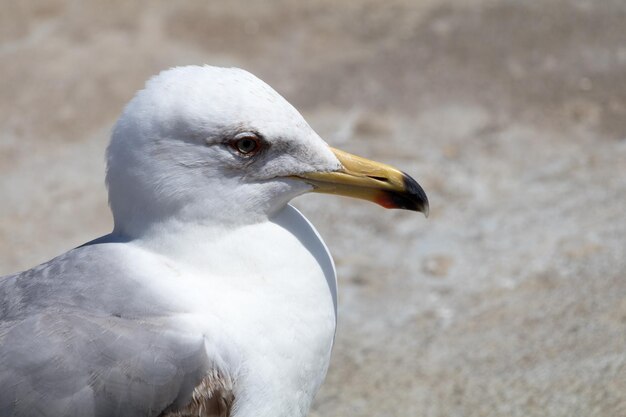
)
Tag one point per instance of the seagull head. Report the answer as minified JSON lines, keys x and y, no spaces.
{"x":206,"y":145}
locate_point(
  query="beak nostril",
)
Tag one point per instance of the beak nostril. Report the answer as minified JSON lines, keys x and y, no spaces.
{"x":381,"y":179}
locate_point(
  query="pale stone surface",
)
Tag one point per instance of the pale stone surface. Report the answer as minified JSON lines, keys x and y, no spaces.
{"x":510,"y":300}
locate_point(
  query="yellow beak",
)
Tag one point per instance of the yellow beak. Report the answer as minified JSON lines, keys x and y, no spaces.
{"x":368,"y":180}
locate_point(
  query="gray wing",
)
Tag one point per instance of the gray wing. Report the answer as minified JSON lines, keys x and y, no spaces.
{"x":79,"y":339}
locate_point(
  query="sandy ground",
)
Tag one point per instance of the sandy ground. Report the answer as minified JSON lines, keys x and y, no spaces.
{"x":510,"y":300}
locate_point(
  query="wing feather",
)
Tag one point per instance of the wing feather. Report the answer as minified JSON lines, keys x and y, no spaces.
{"x":79,"y":337}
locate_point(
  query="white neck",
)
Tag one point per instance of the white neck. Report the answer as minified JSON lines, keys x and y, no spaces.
{"x":274,"y":282}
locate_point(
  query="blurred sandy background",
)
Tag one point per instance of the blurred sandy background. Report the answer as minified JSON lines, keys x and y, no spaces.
{"x":510,"y":300}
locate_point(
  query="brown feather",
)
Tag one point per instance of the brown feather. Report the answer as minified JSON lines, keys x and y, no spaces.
{"x":212,"y":397}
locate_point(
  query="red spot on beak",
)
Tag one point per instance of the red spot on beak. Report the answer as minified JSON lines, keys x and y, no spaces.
{"x":385,"y":200}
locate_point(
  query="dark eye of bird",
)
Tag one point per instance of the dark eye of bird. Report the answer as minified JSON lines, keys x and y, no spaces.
{"x":247,"y":145}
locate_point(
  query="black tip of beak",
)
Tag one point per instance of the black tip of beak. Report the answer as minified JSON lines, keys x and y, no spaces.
{"x":412,"y":198}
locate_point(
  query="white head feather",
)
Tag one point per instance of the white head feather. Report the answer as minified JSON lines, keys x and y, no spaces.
{"x":170,"y":158}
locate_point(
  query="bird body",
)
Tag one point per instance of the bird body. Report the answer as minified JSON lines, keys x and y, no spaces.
{"x":212,"y":296}
{"x":268,"y":320}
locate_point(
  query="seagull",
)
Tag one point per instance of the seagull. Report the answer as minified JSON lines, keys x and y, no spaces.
{"x":212,"y":296}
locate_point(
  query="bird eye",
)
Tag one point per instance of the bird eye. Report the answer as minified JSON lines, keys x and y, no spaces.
{"x":247,"y":145}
